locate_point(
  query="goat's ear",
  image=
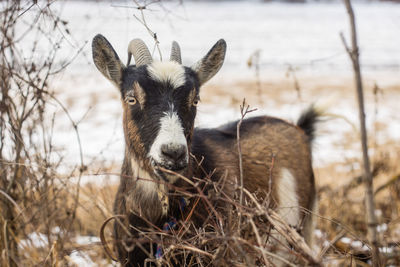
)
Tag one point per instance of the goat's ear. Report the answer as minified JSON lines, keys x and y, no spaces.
{"x":209,"y":65}
{"x":106,"y":60}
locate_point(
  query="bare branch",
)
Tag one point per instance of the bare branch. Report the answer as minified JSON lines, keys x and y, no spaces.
{"x":369,"y":196}
{"x":244,"y":110}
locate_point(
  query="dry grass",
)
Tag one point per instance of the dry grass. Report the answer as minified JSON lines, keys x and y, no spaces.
{"x":341,"y":207}
{"x":341,"y":211}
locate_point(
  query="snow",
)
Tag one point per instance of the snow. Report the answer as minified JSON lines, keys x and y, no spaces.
{"x":81,"y":259}
{"x":382,"y":228}
{"x":318,"y":233}
{"x":386,"y":250}
{"x":86,"y":240}
{"x":345,"y":240}
{"x":38,"y":240}
{"x":356,"y":244}
{"x":378,"y":213}
{"x":304,"y":36}
{"x":34,"y":239}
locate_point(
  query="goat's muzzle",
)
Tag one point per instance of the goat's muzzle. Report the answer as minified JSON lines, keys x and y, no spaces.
{"x":174,"y":157}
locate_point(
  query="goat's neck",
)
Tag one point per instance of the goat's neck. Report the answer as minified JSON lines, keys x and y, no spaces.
{"x":148,"y":196}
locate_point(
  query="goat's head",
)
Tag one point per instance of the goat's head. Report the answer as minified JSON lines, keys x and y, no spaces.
{"x":159,"y":100}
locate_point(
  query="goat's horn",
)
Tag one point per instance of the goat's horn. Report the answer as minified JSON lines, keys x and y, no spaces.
{"x":140,"y":53}
{"x":176,"y":53}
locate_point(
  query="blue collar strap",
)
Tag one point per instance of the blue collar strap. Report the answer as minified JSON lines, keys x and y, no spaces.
{"x":171,"y":224}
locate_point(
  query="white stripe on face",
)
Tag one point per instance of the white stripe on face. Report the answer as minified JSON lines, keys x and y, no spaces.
{"x":169,"y":71}
{"x":171,"y":133}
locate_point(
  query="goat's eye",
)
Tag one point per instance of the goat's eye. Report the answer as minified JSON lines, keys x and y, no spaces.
{"x":196,"y":102}
{"x":131,"y":100}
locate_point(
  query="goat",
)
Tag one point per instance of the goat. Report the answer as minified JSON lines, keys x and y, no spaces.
{"x":159,"y":101}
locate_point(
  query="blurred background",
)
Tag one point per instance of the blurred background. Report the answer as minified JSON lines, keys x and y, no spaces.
{"x":282,"y":57}
{"x":270,"y":44}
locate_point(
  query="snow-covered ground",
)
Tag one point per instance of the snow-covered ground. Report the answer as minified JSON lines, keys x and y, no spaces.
{"x":304,"y":36}
{"x":76,"y":257}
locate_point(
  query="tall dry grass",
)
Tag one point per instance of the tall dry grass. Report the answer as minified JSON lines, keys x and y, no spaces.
{"x":38,"y":207}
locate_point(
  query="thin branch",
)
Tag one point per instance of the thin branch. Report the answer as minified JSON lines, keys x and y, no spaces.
{"x":369,"y":196}
{"x":244,"y":110}
{"x":13,"y":202}
{"x":258,"y":238}
{"x":331,"y":243}
{"x":144,"y":23}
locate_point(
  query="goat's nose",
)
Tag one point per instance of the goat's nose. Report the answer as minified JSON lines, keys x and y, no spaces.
{"x":173,"y":152}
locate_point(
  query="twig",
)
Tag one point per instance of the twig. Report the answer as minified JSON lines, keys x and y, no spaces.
{"x":292,"y":237}
{"x":194,"y":249}
{"x":270,"y":254}
{"x":270,"y":176}
{"x":7,"y":252}
{"x":144,"y":23}
{"x":14,"y":203}
{"x":27,"y":9}
{"x":369,"y":196}
{"x":357,"y":180}
{"x":177,"y":174}
{"x":391,"y":181}
{"x":103,"y":239}
{"x":244,"y":255}
{"x":244,"y":110}
{"x":258,"y":238}
{"x":50,"y":251}
{"x":286,"y":231}
{"x":292,"y":72}
{"x":331,"y":243}
{"x":254,"y":61}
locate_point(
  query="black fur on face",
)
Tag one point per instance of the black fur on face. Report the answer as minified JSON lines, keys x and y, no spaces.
{"x":149,"y":101}
{"x":160,"y":101}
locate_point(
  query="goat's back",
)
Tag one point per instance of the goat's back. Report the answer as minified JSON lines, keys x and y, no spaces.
{"x":271,"y":149}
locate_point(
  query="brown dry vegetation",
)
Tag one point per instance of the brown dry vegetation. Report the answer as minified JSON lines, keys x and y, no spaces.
{"x":36,"y":198}
{"x":341,"y":194}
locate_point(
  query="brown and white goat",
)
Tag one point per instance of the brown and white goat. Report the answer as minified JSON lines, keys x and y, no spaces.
{"x":159,"y":101}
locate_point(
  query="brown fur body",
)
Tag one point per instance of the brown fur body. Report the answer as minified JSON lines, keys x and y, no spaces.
{"x":159,"y":108}
{"x":268,"y":144}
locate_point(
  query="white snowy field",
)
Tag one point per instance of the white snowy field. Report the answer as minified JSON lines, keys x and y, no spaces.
{"x":303,"y":36}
